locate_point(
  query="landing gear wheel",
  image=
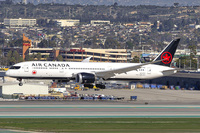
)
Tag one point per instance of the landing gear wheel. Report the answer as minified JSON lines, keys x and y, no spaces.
{"x":101,"y":86}
{"x":20,"y":84}
{"x":20,"y":81}
{"x":89,"y":85}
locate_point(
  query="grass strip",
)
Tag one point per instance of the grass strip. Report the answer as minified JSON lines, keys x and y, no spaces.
{"x":146,"y":125}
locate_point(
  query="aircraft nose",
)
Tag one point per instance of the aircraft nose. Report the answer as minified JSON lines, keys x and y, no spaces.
{"x":8,"y":73}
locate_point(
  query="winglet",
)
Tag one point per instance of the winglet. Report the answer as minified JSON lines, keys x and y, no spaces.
{"x":167,"y":54}
{"x":87,"y":59}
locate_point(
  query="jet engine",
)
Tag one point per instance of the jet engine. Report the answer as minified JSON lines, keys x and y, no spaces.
{"x":85,"y":78}
{"x":102,"y":86}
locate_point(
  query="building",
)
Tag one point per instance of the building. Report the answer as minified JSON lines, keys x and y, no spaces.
{"x":76,"y":54}
{"x":184,"y":80}
{"x":26,"y":46}
{"x":144,"y":26}
{"x":98,"y":55}
{"x":8,"y":2}
{"x":26,"y":89}
{"x":19,"y":22}
{"x":24,"y":2}
{"x":45,"y":53}
{"x":67,"y":22}
{"x":99,"y":22}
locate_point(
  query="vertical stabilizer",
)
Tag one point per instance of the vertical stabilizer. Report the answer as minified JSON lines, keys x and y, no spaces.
{"x":167,"y":54}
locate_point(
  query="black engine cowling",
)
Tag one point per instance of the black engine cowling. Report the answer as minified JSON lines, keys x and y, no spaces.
{"x":85,"y":78}
{"x":101,"y":86}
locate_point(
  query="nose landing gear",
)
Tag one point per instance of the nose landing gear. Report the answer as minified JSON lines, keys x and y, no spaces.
{"x":20,"y":81}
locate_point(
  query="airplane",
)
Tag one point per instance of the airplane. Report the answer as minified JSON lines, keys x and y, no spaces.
{"x":95,"y":73}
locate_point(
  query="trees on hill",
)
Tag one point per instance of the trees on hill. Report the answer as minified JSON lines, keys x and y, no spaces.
{"x":12,"y":57}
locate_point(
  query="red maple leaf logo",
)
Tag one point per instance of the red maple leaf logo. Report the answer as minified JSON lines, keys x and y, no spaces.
{"x":166,"y":57}
{"x":34,"y":72}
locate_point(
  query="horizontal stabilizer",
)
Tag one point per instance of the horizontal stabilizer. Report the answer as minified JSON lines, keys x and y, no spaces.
{"x":169,"y":72}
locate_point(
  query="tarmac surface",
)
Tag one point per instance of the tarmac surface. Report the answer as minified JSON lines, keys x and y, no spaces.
{"x":152,"y":96}
{"x":150,"y":103}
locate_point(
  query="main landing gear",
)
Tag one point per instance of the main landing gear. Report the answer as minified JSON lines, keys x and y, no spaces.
{"x":101,"y":86}
{"x":20,"y":81}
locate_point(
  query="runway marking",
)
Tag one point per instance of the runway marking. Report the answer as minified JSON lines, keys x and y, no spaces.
{"x":182,"y":116}
{"x":96,"y":111}
{"x":108,"y":111}
{"x":113,"y":107}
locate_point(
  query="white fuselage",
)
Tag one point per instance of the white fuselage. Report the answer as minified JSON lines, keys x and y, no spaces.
{"x":67,"y":70}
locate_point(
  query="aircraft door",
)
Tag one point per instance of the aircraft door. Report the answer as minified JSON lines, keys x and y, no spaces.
{"x":148,"y":70}
{"x":110,"y":68}
{"x":61,"y":69}
{"x":1,"y":91}
{"x":142,"y":71}
{"x":26,"y":68}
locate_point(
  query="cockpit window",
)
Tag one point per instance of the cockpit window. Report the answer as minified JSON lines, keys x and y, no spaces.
{"x":15,"y":67}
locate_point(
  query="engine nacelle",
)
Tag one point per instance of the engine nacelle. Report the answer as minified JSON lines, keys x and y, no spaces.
{"x":101,"y":86}
{"x":83,"y":78}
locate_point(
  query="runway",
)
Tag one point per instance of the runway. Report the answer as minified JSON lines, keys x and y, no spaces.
{"x":96,"y":110}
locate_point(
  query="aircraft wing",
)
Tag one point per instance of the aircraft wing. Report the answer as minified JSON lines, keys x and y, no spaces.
{"x":110,"y":73}
{"x":87,"y":59}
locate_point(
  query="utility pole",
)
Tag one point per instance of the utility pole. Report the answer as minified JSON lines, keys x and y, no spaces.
{"x":25,"y":12}
{"x":140,"y":43}
{"x":197,"y":63}
{"x":69,"y":13}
